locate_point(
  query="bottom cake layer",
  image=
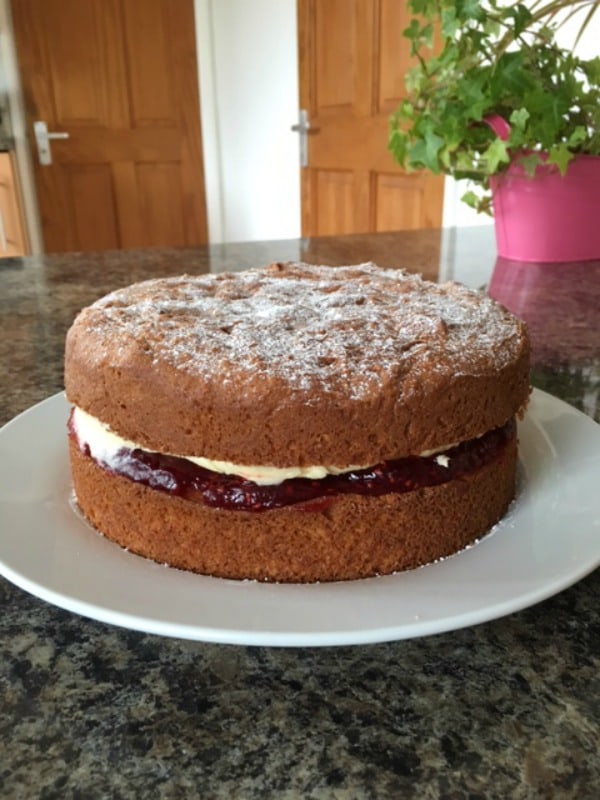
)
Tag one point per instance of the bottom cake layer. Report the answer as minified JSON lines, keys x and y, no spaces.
{"x":352,"y":537}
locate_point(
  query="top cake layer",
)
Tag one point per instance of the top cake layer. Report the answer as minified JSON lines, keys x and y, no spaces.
{"x":297,"y":364}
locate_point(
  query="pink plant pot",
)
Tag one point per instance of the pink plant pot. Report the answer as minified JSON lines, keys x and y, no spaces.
{"x":548,"y":217}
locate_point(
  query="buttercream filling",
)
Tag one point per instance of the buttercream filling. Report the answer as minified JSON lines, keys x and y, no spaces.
{"x":104,"y":444}
{"x":306,"y":487}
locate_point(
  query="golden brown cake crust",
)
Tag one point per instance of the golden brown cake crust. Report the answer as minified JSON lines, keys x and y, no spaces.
{"x":297,"y":365}
{"x":353,"y":538}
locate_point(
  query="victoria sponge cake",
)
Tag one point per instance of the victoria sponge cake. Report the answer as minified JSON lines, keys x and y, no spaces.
{"x":295,"y":423}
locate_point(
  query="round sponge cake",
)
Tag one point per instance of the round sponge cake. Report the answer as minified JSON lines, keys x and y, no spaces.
{"x":347,"y":411}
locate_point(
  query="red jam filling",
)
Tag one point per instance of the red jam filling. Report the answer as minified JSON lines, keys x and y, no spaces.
{"x":182,"y":478}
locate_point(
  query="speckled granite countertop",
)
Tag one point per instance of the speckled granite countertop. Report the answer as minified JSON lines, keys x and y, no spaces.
{"x":507,"y":709}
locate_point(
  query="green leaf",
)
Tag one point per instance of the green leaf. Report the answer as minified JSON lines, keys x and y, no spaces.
{"x":518,"y":118}
{"x":592,"y":70}
{"x":425,"y":151}
{"x":470,"y":9}
{"x":470,"y":198}
{"x":398,"y":145}
{"x":419,"y":36}
{"x":496,"y":154}
{"x":530,"y":162}
{"x":414,"y":79}
{"x":521,"y":18}
{"x":510,"y":76}
{"x":421,"y":7}
{"x":449,"y":23}
{"x":578,"y":136}
{"x":560,"y":155}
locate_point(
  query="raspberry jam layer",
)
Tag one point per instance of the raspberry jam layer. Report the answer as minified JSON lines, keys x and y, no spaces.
{"x":182,"y":478}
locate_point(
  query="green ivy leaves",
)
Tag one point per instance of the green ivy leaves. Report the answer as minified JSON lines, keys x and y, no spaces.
{"x":495,"y":58}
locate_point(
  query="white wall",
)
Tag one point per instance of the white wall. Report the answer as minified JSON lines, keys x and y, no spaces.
{"x":455,"y":213}
{"x":11,"y":89}
{"x":247,"y":55}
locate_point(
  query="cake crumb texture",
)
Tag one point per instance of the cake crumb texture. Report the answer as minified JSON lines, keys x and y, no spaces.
{"x":354,"y":537}
{"x":298,"y":364}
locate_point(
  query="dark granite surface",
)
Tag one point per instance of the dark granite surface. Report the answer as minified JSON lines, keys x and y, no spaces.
{"x":507,"y":709}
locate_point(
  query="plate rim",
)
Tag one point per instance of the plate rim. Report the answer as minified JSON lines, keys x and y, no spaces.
{"x":201,"y":631}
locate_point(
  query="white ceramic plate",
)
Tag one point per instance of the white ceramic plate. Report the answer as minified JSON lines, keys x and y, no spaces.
{"x":548,"y":541}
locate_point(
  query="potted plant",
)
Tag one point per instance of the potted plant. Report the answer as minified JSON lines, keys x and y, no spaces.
{"x":495,"y":99}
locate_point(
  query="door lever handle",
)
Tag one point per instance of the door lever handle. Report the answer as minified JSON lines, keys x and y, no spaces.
{"x":303,"y":127}
{"x":42,"y":140}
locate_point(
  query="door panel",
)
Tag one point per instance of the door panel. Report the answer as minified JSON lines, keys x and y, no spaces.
{"x":120,"y":77}
{"x":165,"y":220}
{"x":97,"y":224}
{"x":395,"y":192}
{"x":393,"y":55}
{"x":147,"y":50}
{"x":352,"y":62}
{"x":334,"y":193}
{"x":333,"y":31}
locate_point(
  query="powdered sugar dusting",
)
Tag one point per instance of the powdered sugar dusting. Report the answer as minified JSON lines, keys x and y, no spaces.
{"x":348,"y":329}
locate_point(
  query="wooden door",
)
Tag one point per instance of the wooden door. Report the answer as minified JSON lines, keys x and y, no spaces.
{"x":120,"y":77}
{"x":352,"y":62}
{"x":12,"y":234}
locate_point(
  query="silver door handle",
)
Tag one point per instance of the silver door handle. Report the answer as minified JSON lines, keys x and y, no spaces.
{"x":302,"y":127}
{"x":42,"y":140}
